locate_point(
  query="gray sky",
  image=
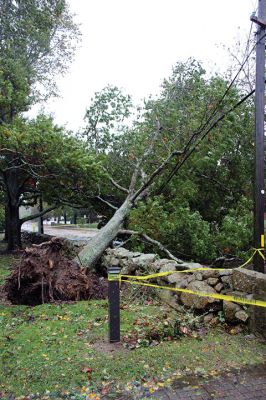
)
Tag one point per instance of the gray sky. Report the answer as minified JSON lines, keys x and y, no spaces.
{"x":133,"y":44}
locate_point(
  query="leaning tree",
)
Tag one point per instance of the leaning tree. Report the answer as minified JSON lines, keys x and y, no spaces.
{"x":143,"y":160}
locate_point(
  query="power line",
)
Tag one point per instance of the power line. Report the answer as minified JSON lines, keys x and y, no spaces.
{"x":179,"y":165}
{"x":214,"y":112}
{"x":205,"y":126}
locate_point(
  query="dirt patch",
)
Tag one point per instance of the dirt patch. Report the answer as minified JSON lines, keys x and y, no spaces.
{"x":3,"y":297}
{"x":108,"y":348}
{"x":44,"y":274}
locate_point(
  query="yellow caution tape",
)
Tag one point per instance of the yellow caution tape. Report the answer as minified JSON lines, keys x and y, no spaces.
{"x":114,"y":277}
{"x":134,"y":280}
{"x":166,"y":273}
{"x":235,"y":299}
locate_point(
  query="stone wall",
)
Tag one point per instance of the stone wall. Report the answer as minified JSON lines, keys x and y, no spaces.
{"x":238,"y":282}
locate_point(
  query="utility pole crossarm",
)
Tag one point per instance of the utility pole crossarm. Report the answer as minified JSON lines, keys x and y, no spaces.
{"x":258,"y":21}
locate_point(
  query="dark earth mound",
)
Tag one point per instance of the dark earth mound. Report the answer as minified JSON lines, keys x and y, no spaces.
{"x":44,"y":274}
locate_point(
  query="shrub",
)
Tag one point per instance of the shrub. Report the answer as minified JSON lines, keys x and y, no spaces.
{"x":236,"y":231}
{"x":187,"y":235}
{"x":180,"y":229}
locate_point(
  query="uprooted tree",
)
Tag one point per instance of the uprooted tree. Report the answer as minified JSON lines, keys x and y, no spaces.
{"x":143,"y":160}
{"x":45,"y":274}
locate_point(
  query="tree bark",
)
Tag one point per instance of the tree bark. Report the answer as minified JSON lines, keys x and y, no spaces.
{"x":13,"y":228}
{"x":6,"y":225}
{"x":75,"y":217}
{"x":12,"y":207}
{"x":98,"y":244}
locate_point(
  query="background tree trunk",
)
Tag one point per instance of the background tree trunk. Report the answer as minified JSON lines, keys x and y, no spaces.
{"x":65,"y":217}
{"x":75,"y":217}
{"x":13,"y":228}
{"x":6,"y":225}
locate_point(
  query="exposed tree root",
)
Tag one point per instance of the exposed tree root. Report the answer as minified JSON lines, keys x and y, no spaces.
{"x":44,"y":274}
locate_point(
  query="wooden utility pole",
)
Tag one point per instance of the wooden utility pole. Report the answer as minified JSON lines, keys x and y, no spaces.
{"x":260,"y":20}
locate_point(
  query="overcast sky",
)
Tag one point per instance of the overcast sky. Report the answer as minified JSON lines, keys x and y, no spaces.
{"x":133,"y":44}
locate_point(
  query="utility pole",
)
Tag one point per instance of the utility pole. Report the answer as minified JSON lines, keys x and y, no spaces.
{"x":260,"y":20}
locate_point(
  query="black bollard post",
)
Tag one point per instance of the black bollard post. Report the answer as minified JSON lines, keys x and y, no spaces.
{"x":114,"y":304}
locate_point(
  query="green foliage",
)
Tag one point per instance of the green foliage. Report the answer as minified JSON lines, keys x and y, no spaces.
{"x":48,"y":160}
{"x":38,"y":39}
{"x":183,"y":231}
{"x":195,"y":213}
{"x":236,"y":230}
{"x":37,"y":42}
{"x":104,"y":117}
{"x":193,"y":233}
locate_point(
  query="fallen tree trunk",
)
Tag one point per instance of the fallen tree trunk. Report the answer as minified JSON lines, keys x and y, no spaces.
{"x":92,"y":252}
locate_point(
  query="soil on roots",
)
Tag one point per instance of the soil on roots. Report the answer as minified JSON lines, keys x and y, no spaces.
{"x":44,"y":274}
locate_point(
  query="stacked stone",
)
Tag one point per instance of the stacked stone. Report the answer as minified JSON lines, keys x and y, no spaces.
{"x":236,"y":282}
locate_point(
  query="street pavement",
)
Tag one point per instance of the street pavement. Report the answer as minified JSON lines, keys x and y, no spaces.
{"x":246,"y":384}
{"x":64,"y":232}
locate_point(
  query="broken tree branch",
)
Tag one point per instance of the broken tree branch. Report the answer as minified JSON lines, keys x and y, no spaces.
{"x":106,"y":202}
{"x":145,"y":155}
{"x":37,"y":215}
{"x":116,"y":184}
{"x":156,"y":173}
{"x":151,"y":241}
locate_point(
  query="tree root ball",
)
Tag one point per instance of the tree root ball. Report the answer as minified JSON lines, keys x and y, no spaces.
{"x":43,"y":275}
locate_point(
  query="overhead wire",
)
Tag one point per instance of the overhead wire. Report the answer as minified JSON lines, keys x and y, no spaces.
{"x":213,"y":114}
{"x":215,"y":110}
{"x":179,"y":165}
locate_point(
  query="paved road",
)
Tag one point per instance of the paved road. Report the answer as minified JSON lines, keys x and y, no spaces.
{"x":249,"y":384}
{"x":69,"y":233}
{"x":246,"y":384}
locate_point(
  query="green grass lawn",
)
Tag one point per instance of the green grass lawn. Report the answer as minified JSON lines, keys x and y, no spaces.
{"x":5,"y":261}
{"x":50,"y":347}
{"x":55,"y":348}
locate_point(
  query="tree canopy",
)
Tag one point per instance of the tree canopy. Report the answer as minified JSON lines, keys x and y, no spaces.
{"x":37,"y":41}
{"x":175,"y":172}
{"x":39,"y":158}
